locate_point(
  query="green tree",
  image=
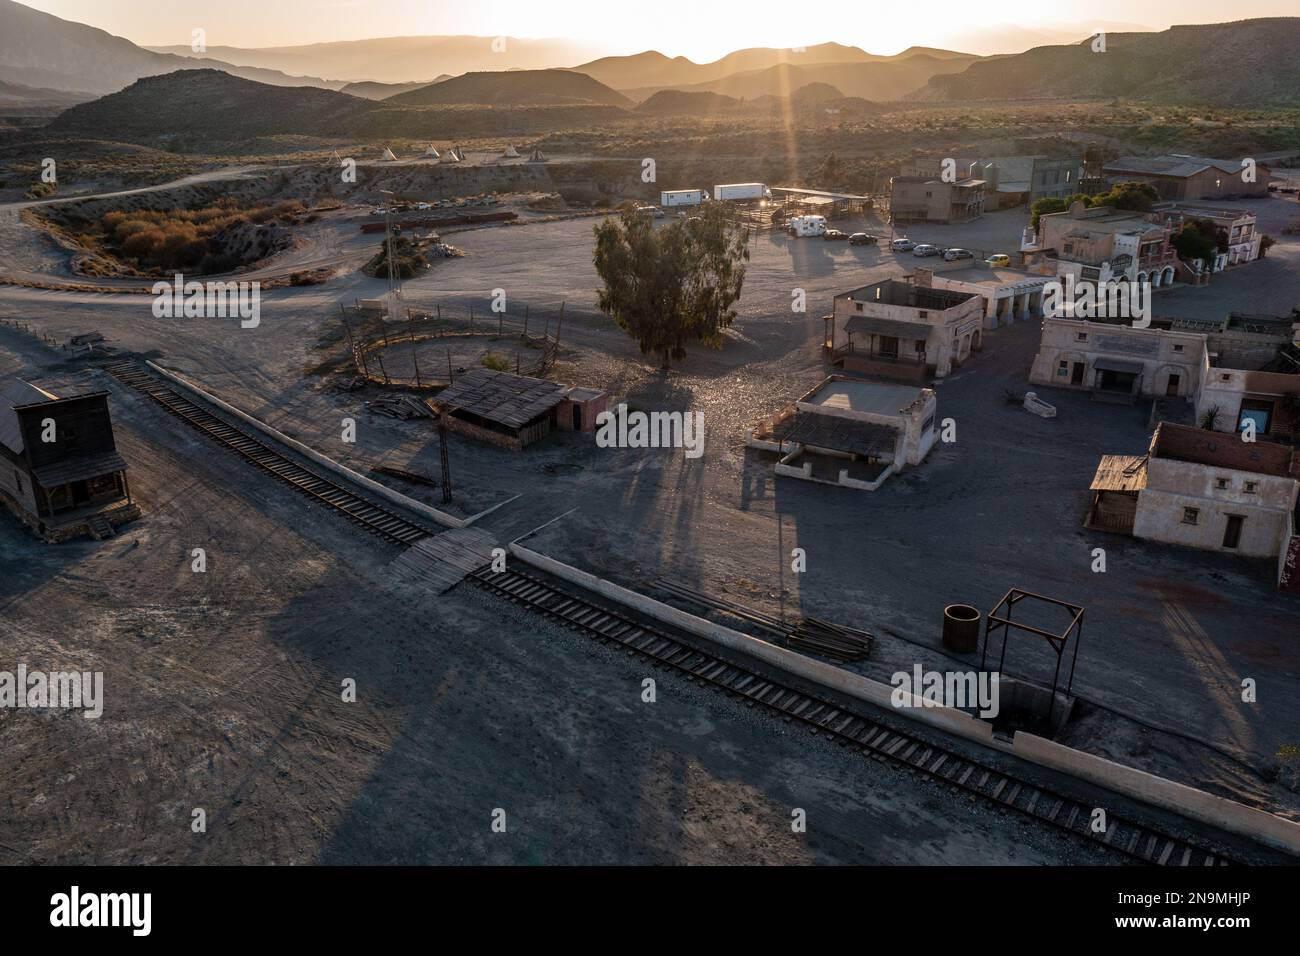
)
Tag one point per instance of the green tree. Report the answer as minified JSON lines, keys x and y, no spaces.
{"x":670,"y":284}
{"x":1198,"y":239}
{"x":1134,"y":196}
{"x":1052,"y":204}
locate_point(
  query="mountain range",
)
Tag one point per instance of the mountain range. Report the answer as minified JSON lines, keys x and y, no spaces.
{"x":1246,"y":63}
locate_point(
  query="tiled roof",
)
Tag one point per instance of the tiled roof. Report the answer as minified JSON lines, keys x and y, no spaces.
{"x":1220,"y":450}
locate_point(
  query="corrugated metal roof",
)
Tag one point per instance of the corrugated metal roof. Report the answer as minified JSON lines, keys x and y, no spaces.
{"x":17,"y":393}
{"x":511,"y":400}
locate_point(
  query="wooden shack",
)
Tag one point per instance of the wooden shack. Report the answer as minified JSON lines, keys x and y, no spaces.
{"x":60,"y":471}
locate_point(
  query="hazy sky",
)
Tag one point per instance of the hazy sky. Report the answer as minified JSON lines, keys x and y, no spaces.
{"x":700,"y":30}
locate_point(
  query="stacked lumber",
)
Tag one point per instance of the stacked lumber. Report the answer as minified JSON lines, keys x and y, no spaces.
{"x":836,"y":641}
{"x":404,"y":407}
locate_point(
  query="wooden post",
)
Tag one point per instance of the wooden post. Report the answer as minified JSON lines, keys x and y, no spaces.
{"x":525,"y":323}
{"x":380,"y":359}
{"x":415,"y":358}
{"x":450,"y":379}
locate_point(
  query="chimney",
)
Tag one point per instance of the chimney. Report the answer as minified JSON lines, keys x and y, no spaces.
{"x":923,"y":278}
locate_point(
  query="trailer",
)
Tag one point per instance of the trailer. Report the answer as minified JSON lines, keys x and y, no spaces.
{"x":806,"y":226}
{"x":742,"y":191}
{"x":682,"y":197}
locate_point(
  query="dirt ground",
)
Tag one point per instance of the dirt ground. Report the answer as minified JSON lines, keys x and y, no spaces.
{"x":1170,"y":633}
{"x":223,"y":692}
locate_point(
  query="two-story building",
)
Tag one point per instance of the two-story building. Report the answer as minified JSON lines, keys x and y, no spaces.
{"x":1102,"y":244}
{"x":904,"y":329}
{"x":931,"y":199}
{"x":1238,"y":227}
{"x":60,"y":471}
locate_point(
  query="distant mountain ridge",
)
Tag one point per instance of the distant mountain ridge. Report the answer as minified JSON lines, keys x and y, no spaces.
{"x":643,"y":74}
{"x":403,"y":59}
{"x":1244,"y":63}
{"x":514,"y":88}
{"x":44,"y":51}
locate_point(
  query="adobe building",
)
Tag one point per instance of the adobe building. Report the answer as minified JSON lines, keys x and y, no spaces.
{"x":850,"y":433}
{"x":1102,"y":244}
{"x":904,"y":329}
{"x":59,"y":467}
{"x":1202,"y":489}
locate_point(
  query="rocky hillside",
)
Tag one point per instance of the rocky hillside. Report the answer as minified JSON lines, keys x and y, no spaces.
{"x":1249,"y":63}
{"x":209,"y":105}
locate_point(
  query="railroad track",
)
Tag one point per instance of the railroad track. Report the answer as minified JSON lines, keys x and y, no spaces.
{"x":370,"y":516}
{"x":1133,"y":840}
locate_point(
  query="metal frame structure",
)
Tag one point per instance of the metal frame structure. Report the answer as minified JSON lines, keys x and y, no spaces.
{"x":1000,"y":618}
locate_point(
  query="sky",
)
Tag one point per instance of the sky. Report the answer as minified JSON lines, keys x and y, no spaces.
{"x":701,"y":31}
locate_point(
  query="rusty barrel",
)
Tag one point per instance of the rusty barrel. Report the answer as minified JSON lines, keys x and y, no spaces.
{"x":961,"y":628}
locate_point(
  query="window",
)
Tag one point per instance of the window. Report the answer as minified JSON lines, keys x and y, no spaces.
{"x":1069,"y":174}
{"x":1251,"y":486}
{"x":1080,"y":336}
{"x":1190,"y":515}
{"x":1178,"y":348}
{"x":1258,"y":412}
{"x":1063,"y":367}
{"x":1221,"y":483}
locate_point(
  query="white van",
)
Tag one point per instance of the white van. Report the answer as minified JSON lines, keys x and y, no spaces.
{"x":806,"y":226}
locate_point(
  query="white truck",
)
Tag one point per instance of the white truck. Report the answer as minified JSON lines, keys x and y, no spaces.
{"x":682,"y":197}
{"x":806,"y":226}
{"x":738,"y":191}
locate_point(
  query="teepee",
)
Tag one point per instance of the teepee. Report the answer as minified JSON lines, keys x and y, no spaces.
{"x":536,"y":156}
{"x":432,"y":152}
{"x":449,"y":156}
{"x":511,"y":152}
{"x":388,"y":156}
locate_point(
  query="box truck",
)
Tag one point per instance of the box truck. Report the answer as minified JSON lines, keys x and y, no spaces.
{"x":742,"y":191}
{"x":682,"y":197}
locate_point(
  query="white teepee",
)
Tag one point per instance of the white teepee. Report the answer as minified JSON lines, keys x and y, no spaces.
{"x":432,"y":152}
{"x":388,"y":156}
{"x":511,"y":152}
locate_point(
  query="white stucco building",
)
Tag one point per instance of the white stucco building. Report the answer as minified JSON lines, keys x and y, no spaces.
{"x":850,"y":432}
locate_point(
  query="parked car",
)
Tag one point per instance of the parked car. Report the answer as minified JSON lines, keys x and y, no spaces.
{"x":952,"y":255}
{"x":834,"y":234}
{"x":862,"y":239}
{"x":997,"y":260}
{"x":924,"y":250}
{"x":902,"y":245}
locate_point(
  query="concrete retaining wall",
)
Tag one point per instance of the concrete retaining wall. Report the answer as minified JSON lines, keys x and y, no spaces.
{"x":826,"y":675}
{"x":383,"y":491}
{"x":1139,"y":785}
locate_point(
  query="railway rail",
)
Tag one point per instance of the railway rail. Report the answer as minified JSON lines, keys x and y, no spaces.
{"x":1131,"y":839}
{"x":374,"y":518}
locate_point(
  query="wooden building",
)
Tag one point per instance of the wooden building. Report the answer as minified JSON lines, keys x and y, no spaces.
{"x":60,"y":471}
{"x":515,"y":411}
